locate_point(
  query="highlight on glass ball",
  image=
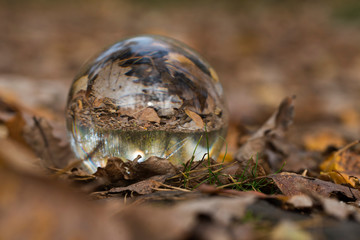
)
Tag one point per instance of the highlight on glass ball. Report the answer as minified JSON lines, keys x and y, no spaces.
{"x":146,"y":96}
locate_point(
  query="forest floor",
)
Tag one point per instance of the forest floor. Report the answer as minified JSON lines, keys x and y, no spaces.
{"x":291,"y":77}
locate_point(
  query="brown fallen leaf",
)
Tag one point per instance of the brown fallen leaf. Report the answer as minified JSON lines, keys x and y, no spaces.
{"x":338,"y":209}
{"x":13,"y":120}
{"x":350,"y":117}
{"x":15,"y":126}
{"x":142,"y":187}
{"x":329,"y":206}
{"x":157,"y":166}
{"x":123,"y":173}
{"x":187,"y":219}
{"x":16,"y":156}
{"x":41,"y":97}
{"x":272,"y":150}
{"x":259,"y":142}
{"x":36,"y":207}
{"x":116,"y":170}
{"x":195,"y":117}
{"x":291,"y":184}
{"x":147,"y":114}
{"x":54,"y":152}
{"x":232,"y":208}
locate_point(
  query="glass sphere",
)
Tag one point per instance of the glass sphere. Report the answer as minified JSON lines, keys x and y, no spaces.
{"x":149,"y":96}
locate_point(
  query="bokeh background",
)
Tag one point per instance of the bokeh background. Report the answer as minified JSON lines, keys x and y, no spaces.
{"x":262,"y":50}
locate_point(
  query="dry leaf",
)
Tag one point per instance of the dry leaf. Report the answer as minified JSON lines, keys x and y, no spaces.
{"x":187,"y":219}
{"x":351,"y":118}
{"x":38,"y":208}
{"x":195,"y":117}
{"x":293,"y":184}
{"x":125,"y":173}
{"x":13,"y":120}
{"x":53,"y":151}
{"x":338,"y":209}
{"x":320,"y":141}
{"x":343,"y":166}
{"x":147,"y":114}
{"x":330,"y":206}
{"x":142,"y":187}
{"x":16,"y":156}
{"x":334,"y":207}
{"x":274,"y":127}
{"x":287,"y":230}
{"x":300,"y":201}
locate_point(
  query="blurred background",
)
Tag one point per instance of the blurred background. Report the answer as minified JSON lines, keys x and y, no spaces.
{"x":262,"y":50}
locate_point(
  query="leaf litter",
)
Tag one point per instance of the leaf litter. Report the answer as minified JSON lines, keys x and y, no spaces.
{"x":203,"y":194}
{"x":272,"y":187}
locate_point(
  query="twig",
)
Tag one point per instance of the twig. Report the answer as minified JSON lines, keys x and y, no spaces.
{"x":242,"y":182}
{"x":172,"y":187}
{"x":343,"y":149}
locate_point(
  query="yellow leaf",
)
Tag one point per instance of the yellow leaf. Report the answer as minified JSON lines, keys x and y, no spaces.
{"x":227,"y":158}
{"x":319,"y":141}
{"x":343,"y":167}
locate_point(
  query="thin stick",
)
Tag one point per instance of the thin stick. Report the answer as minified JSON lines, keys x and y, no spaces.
{"x":343,"y":149}
{"x":242,"y":182}
{"x":172,"y":187}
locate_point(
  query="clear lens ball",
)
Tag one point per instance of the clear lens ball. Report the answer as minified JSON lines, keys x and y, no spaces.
{"x":147,"y":96}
